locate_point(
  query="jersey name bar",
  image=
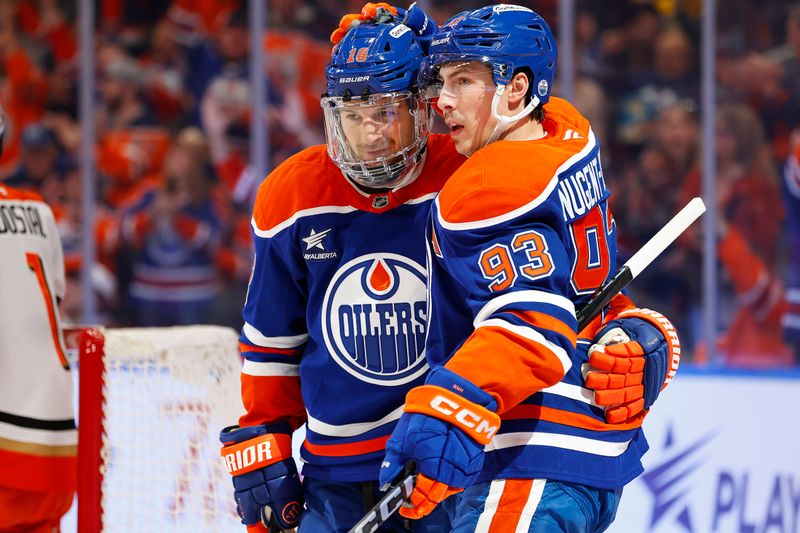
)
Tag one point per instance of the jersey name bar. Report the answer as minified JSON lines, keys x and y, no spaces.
{"x":21,"y":219}
{"x":581,"y":190}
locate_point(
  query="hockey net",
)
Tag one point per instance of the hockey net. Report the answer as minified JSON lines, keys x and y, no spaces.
{"x":151,"y":405}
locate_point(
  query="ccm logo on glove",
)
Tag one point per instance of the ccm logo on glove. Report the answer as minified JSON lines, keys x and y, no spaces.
{"x":256,"y":453}
{"x":476,"y":421}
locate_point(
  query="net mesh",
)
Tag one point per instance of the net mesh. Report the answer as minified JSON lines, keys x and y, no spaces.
{"x":167,"y":393}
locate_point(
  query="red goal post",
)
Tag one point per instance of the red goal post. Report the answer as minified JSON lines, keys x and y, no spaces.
{"x":151,"y":402}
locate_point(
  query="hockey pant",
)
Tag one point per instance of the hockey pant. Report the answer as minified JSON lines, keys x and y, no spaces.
{"x":333,"y":507}
{"x":534,"y":505}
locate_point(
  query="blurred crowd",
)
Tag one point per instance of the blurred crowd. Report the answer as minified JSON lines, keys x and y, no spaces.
{"x":175,"y":185}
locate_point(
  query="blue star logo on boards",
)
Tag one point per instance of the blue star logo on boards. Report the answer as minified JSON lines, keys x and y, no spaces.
{"x":669,"y":484}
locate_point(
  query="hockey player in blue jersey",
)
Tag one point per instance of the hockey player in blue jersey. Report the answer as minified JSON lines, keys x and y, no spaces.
{"x":335,"y":314}
{"x":336,"y":317}
{"x":519,"y":237}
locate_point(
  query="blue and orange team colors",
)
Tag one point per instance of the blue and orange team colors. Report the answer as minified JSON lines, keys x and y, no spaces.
{"x":335,"y":317}
{"x":519,"y":237}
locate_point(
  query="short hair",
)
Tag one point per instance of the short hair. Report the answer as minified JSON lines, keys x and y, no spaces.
{"x":538,"y":112}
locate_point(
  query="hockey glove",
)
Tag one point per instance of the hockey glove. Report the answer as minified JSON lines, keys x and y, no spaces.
{"x":265,"y":482}
{"x":634,"y":357}
{"x":445,"y":426}
{"x":414,"y":17}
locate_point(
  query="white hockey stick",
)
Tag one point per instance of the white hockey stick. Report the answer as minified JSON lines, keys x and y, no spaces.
{"x":640,"y":260}
{"x":401,"y":489}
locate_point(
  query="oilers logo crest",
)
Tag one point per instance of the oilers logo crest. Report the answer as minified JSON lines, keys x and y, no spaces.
{"x":374,"y":318}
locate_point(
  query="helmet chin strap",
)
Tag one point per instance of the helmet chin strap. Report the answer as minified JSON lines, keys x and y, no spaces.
{"x":504,"y":122}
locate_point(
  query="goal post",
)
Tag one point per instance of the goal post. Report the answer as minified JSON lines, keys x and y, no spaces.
{"x":151,"y":404}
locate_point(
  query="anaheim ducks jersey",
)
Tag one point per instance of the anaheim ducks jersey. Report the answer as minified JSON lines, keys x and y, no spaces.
{"x":791,"y":195}
{"x":335,"y":316}
{"x":521,"y":235}
{"x":38,"y":439}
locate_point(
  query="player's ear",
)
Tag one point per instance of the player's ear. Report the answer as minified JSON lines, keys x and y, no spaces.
{"x":517,"y":88}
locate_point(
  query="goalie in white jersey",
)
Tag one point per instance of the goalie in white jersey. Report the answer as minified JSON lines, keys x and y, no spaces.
{"x":38,"y":439}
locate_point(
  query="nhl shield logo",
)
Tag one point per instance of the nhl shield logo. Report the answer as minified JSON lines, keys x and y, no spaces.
{"x":380,"y":201}
{"x":374,"y":319}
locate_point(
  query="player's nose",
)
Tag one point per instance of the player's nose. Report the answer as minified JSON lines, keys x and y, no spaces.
{"x":446,"y":101}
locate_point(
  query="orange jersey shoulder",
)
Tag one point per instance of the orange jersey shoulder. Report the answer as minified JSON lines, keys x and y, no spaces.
{"x":310,"y":180}
{"x":441,"y":161}
{"x":10,"y":193}
{"x":507,"y":175}
{"x":306,"y":180}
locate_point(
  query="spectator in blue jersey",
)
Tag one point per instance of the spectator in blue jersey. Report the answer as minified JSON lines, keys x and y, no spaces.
{"x":335,"y":317}
{"x":791,"y":197}
{"x":519,"y":237}
{"x":42,"y":166}
{"x":171,"y":236}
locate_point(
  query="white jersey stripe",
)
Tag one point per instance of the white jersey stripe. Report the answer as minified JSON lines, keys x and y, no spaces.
{"x":531,"y":505}
{"x":523,"y":296}
{"x":423,"y":198}
{"x":259,"y":339}
{"x":490,"y":506}
{"x":530,"y":334}
{"x":253,"y":368}
{"x":573,"y":392}
{"x":44,"y":437}
{"x":325,"y":209}
{"x":530,"y":206}
{"x":350,"y":430}
{"x":567,"y":442}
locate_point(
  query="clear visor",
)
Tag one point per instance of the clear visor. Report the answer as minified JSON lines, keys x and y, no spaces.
{"x":455,"y":76}
{"x":377,"y":140}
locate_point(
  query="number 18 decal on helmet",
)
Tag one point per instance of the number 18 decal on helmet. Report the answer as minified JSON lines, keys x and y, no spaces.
{"x":375,"y":125}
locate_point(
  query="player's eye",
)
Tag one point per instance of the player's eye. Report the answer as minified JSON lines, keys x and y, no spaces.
{"x":380,"y":116}
{"x":352,"y":117}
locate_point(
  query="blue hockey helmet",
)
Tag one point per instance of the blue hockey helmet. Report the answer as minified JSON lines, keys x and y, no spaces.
{"x":376,"y":58}
{"x":505,"y":37}
{"x":371,"y":85}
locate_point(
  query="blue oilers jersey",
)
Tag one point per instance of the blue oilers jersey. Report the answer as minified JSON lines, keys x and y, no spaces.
{"x":335,"y":316}
{"x":519,"y":237}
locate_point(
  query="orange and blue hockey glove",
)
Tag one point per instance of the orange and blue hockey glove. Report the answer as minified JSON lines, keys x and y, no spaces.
{"x":381,"y":12}
{"x":267,"y":489}
{"x":446,"y":424}
{"x":632,"y":359}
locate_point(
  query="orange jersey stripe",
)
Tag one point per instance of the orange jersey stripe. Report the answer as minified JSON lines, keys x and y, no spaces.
{"x":344,"y":450}
{"x":516,"y":493}
{"x":505,"y":365}
{"x":37,"y":472}
{"x":261,"y":349}
{"x":577,"y":420}
{"x":269,"y":399}
{"x":8,"y":193}
{"x":545,"y":321}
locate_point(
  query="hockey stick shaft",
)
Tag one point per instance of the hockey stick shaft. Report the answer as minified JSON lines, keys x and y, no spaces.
{"x":640,"y":260}
{"x":399,"y":491}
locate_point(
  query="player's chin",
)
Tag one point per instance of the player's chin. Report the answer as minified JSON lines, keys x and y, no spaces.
{"x":464,"y":147}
